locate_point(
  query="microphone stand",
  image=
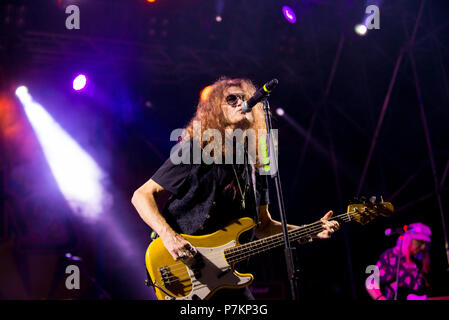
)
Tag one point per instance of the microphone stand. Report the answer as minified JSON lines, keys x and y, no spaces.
{"x":288,"y":250}
{"x":399,"y":256}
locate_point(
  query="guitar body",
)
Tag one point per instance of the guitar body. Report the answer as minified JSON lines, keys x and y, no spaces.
{"x":199,"y":280}
{"x":218,"y":252}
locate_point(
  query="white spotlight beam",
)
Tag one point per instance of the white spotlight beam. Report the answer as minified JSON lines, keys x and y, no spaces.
{"x":77,"y":174}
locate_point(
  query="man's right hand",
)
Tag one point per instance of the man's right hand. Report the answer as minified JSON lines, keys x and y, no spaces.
{"x":178,"y":247}
{"x":145,"y":202}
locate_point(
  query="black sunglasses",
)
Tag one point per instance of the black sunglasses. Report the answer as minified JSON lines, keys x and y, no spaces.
{"x":233,"y":98}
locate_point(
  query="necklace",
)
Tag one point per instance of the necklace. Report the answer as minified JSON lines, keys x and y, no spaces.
{"x":242,"y":193}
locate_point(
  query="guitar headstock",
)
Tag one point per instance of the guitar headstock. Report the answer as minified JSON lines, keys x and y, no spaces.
{"x":364,"y":210}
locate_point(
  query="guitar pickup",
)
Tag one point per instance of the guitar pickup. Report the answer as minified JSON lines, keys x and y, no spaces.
{"x":197,"y":274}
{"x":223,"y":273}
{"x":199,"y":262}
{"x":198,"y":265}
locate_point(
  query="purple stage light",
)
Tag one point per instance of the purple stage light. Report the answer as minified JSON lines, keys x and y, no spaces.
{"x":289,"y":14}
{"x":79,"y":83}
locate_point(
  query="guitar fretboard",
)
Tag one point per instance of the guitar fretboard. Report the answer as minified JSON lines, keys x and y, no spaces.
{"x":244,"y":251}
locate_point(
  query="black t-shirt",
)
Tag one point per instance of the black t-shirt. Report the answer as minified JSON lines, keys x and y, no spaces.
{"x":206,"y":197}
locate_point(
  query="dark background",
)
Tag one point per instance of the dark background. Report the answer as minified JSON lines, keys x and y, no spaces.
{"x":147,"y":64}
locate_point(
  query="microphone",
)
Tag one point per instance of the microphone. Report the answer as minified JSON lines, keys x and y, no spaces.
{"x":259,"y":95}
{"x":395,"y":231}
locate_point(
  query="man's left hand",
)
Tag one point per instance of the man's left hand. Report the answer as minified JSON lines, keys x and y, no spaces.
{"x":328,"y":226}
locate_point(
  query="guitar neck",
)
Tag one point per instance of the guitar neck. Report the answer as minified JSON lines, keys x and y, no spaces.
{"x":244,"y":251}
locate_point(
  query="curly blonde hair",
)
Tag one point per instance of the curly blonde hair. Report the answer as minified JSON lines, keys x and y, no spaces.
{"x":210,"y":115}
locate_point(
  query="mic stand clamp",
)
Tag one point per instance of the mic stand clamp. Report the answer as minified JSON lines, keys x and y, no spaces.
{"x":292,"y":271}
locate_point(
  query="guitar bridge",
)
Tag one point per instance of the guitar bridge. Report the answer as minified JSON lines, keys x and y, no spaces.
{"x":166,"y":275}
{"x":175,"y":281}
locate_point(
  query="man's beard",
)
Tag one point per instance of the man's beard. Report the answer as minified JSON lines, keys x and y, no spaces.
{"x":242,"y":124}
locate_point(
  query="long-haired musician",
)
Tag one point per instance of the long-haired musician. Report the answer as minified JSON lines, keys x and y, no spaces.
{"x":403,"y":268}
{"x":206,"y":197}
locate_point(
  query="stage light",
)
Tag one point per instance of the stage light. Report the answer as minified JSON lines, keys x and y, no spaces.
{"x":148,"y":104}
{"x":78,"y":176}
{"x":280,"y":112}
{"x":360,"y":29}
{"x":79,"y":83}
{"x":22,"y":92}
{"x":206,"y":92}
{"x":289,"y":14}
{"x":151,"y":1}
{"x":219,"y":6}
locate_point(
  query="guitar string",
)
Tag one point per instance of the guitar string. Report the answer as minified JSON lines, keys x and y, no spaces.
{"x":246,"y":254}
{"x":275,"y":241}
